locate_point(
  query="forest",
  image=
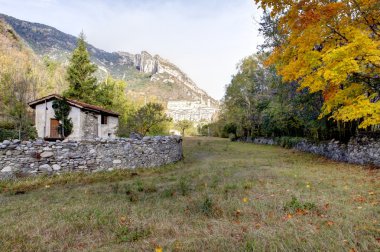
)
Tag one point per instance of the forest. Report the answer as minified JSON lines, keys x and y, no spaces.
{"x":317,"y":74}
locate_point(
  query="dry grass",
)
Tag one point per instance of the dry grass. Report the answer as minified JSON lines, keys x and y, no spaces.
{"x":222,"y":197}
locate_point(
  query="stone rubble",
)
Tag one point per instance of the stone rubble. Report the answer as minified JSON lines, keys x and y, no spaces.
{"x":20,"y":159}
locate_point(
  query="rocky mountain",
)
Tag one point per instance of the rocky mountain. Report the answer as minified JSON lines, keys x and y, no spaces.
{"x":145,"y":74}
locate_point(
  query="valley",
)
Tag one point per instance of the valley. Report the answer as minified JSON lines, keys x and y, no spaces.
{"x":145,"y":74}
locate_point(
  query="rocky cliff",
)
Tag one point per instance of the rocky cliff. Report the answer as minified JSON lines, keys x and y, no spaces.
{"x":145,"y":73}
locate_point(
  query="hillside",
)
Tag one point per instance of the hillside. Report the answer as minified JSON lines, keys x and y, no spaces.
{"x":23,"y":75}
{"x":144,"y":73}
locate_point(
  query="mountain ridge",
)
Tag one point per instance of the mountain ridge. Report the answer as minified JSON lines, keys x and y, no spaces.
{"x":145,"y":73}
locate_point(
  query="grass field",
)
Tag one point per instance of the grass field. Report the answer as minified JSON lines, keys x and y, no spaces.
{"x":223,"y":197}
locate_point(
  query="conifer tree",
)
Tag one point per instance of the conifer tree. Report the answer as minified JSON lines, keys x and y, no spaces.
{"x":82,"y":83}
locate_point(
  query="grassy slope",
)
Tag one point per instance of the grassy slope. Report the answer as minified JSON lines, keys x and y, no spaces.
{"x":223,"y":197}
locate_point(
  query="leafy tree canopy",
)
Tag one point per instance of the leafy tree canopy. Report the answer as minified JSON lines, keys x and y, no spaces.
{"x":183,"y":125}
{"x":331,"y":47}
{"x":146,"y":117}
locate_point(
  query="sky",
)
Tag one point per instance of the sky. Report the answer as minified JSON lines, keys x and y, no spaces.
{"x":205,"y":38}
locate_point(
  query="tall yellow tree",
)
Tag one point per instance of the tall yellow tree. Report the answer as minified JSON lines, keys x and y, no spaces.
{"x":333,"y":47}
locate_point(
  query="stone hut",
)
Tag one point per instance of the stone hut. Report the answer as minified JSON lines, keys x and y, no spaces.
{"x":89,"y":121}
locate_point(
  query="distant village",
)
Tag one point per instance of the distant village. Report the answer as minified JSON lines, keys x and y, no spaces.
{"x":195,"y":111}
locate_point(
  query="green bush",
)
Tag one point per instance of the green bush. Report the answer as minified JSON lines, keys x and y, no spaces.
{"x":127,"y":234}
{"x":184,"y":186}
{"x":289,"y":142}
{"x":7,"y":125}
{"x":232,"y":136}
{"x":207,"y":207}
{"x":230,"y":128}
{"x":6,"y":134}
{"x":295,"y":205}
{"x":31,"y":133}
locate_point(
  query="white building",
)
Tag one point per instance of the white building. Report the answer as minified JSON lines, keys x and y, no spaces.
{"x":89,"y":121}
{"x":195,"y":111}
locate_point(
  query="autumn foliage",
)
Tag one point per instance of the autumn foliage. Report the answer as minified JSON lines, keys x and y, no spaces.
{"x":332,"y":47}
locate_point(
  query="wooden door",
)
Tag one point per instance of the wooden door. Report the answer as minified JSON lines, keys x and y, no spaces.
{"x":54,"y":124}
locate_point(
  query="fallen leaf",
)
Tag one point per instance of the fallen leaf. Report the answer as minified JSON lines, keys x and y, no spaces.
{"x":326,"y":206}
{"x":244,"y":229}
{"x":123,"y":220}
{"x":330,"y":223}
{"x":287,"y":217}
{"x":359,"y":199}
{"x":158,"y":249}
{"x":270,"y":214}
{"x":301,"y":212}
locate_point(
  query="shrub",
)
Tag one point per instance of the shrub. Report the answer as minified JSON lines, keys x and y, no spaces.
{"x":32,"y":133}
{"x":295,"y":205}
{"x":232,"y":136}
{"x":289,"y":142}
{"x":205,"y":206}
{"x":168,"y":193}
{"x":139,"y":185}
{"x":7,"y":125}
{"x":230,"y":128}
{"x":184,"y":186}
{"x":29,"y":132}
{"x":6,"y":134}
{"x":126,"y":234}
{"x":230,"y":187}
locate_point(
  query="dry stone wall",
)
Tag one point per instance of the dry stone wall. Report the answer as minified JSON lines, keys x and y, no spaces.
{"x":363,"y":150}
{"x":359,"y":150}
{"x":19,"y":159}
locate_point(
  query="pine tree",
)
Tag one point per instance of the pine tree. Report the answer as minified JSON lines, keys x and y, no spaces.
{"x":82,"y":83}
